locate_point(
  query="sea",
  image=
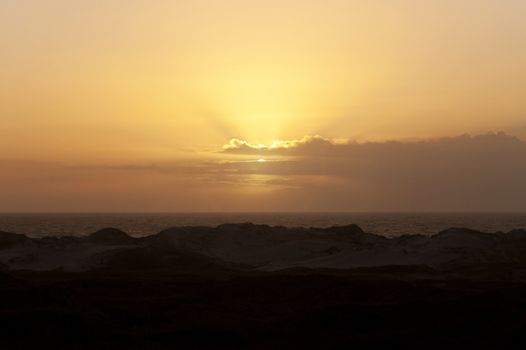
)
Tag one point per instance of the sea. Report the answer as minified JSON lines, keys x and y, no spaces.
{"x":135,"y":224}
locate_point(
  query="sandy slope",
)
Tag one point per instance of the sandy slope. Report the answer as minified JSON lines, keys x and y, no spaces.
{"x":262,"y":247}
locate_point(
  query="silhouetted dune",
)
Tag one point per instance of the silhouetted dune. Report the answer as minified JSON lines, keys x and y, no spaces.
{"x":109,"y":236}
{"x":517,"y":234}
{"x":253,"y":247}
{"x":251,"y":286}
{"x":8,"y":239}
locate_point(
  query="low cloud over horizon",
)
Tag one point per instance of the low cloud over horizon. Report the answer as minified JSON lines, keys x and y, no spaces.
{"x":314,"y":144}
{"x":463,"y":173}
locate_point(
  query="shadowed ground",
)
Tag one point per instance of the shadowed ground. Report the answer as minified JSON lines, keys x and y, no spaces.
{"x":155,"y":296}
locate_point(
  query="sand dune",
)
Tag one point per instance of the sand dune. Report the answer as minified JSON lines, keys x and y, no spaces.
{"x":238,"y":286}
{"x":260,"y":248}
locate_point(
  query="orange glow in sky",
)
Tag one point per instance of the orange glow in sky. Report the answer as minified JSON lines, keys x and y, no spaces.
{"x":113,"y":85}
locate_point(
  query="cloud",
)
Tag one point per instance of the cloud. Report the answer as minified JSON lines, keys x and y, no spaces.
{"x":314,"y":146}
{"x":237,"y":146}
{"x":463,"y":173}
{"x":468,"y":173}
{"x":320,"y":146}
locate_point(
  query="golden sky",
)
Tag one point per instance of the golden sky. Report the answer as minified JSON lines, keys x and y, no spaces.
{"x":96,"y":94}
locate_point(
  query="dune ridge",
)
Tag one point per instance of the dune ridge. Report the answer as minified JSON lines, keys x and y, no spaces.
{"x":250,"y":247}
{"x":245,"y":286}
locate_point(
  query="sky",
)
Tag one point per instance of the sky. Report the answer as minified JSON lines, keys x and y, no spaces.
{"x":249,"y":105}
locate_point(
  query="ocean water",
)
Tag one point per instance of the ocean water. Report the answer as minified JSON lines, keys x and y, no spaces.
{"x":387,"y":224}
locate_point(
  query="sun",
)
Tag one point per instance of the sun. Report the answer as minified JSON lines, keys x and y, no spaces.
{"x":261,"y":160}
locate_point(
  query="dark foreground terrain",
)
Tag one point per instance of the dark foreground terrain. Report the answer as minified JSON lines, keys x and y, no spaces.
{"x":313,"y":310}
{"x":148,"y":294}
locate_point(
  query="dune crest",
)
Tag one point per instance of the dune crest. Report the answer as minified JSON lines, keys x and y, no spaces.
{"x":251,"y":247}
